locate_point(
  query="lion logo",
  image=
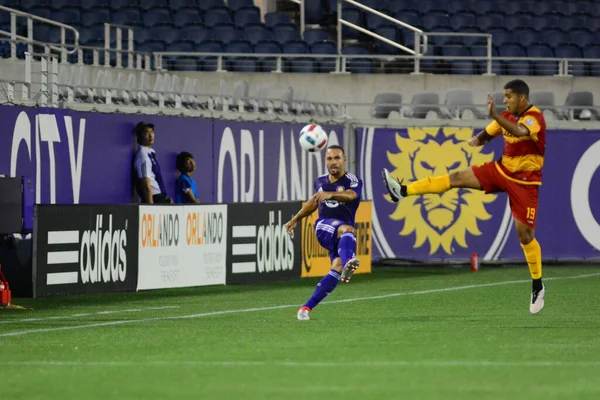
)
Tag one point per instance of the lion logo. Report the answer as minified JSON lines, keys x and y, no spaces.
{"x":442,"y":219}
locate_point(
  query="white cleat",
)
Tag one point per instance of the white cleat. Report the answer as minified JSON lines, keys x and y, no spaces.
{"x":351,"y":266}
{"x":303,"y":314}
{"x":393,"y":186}
{"x":537,"y":300}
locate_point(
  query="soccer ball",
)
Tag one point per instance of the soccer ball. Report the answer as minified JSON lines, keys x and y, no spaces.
{"x":313,"y":138}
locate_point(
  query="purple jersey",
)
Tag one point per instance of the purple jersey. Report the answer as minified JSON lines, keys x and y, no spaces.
{"x":344,"y":212}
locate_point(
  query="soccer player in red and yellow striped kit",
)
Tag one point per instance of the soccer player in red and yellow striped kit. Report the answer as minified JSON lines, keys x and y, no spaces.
{"x":518,"y":173}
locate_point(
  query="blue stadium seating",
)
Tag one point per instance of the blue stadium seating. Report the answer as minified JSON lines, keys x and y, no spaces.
{"x":536,"y":29}
{"x":187,"y":16}
{"x":325,"y":47}
{"x":316,"y":35}
{"x":275,"y":18}
{"x":246,"y":15}
{"x":267,"y":64}
{"x":256,"y":33}
{"x":297,"y":64}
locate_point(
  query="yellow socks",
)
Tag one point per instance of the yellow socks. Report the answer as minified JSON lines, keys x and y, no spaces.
{"x":533,"y":255}
{"x":438,"y":184}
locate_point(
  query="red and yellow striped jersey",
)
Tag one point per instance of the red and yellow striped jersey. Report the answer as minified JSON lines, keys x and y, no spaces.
{"x":523,"y":157}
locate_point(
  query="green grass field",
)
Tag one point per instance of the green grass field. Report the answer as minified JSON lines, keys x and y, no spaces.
{"x":396,"y":334}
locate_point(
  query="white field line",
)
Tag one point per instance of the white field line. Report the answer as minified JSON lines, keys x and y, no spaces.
{"x":365,"y":364}
{"x":107,"y":312}
{"x":225,"y":312}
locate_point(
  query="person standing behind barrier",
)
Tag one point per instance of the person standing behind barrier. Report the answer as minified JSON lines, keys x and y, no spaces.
{"x":185,"y":187}
{"x":150,"y":184}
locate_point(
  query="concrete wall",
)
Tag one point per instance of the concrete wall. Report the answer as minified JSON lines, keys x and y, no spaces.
{"x":359,"y":90}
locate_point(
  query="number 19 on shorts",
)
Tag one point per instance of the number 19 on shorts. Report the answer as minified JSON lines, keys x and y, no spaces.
{"x":530,"y":213}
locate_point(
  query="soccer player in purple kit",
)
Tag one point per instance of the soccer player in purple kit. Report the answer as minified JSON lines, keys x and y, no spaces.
{"x":337,"y":197}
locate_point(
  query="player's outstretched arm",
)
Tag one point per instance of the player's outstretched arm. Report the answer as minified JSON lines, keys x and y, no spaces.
{"x":304,"y":212}
{"x":481,"y":139}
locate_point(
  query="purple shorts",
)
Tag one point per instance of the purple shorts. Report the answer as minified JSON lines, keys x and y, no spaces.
{"x":326,"y":231}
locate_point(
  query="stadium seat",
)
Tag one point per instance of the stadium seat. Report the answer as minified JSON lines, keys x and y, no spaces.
{"x":457,"y":101}
{"x":256,"y":33}
{"x":187,"y":16}
{"x":544,"y":100}
{"x":512,"y":22}
{"x":149,"y":4}
{"x":459,"y":21}
{"x":165,"y":33}
{"x":128,"y":17}
{"x":409,"y":17}
{"x":68,"y":15}
{"x":267,"y":64}
{"x":196,"y":34}
{"x":421,"y":103}
{"x":542,"y":67}
{"x":246,"y":15}
{"x":298,"y":64}
{"x":237,"y":4}
{"x":485,"y":8}
{"x":460,"y":67}
{"x":206,"y":5}
{"x":555,"y":37}
{"x":316,"y":35}
{"x":374,"y":21}
{"x":208,"y":63}
{"x":575,"y":8}
{"x":576,"y":68}
{"x":579,"y":99}
{"x":433,"y":22}
{"x":542,"y":22}
{"x":177,"y":4}
{"x":354,"y":17}
{"x":286,"y":33}
{"x":240,"y":63}
{"x":430,"y":6}
{"x":156,"y":16}
{"x":384,"y":103}
{"x":593,"y":51}
{"x":217,"y":15}
{"x":181,"y":63}
{"x":314,"y":12}
{"x":400,"y":5}
{"x":583,"y":38}
{"x":515,"y":67}
{"x":457,"y":6}
{"x":391,"y":33}
{"x":376,"y":4}
{"x":489,"y":21}
{"x":362,"y":65}
{"x":99,"y":16}
{"x":325,"y":47}
{"x":226,"y":33}
{"x":275,"y":18}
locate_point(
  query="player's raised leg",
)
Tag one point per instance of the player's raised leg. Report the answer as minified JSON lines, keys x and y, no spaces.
{"x":347,"y":252}
{"x":324,"y":287}
{"x":461,"y":179}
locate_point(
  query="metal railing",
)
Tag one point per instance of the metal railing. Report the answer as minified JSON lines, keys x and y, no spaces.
{"x":419,"y":34}
{"x":62,"y":49}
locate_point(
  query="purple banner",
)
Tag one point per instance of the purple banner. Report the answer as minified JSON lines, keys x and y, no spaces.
{"x":256,"y":162}
{"x":459,"y":222}
{"x":72,"y":157}
{"x":85,"y":157}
